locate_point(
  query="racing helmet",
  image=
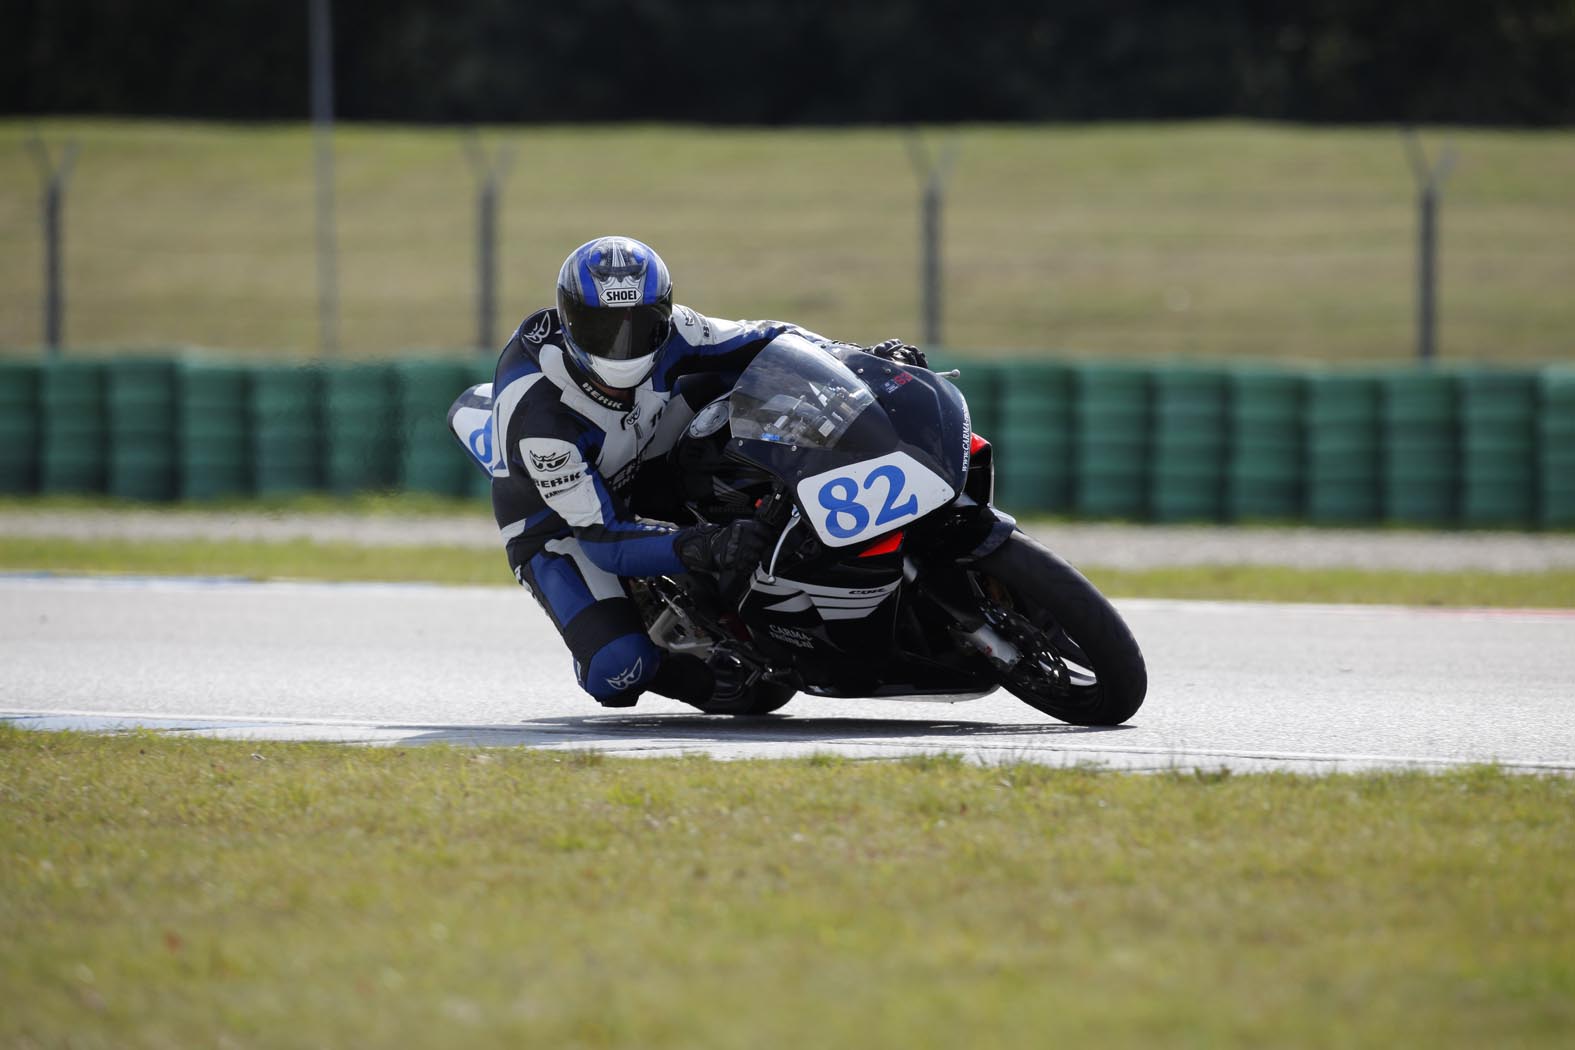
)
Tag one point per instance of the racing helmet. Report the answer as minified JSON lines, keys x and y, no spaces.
{"x":615,"y":301}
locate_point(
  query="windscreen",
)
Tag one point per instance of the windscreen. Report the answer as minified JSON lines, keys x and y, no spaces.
{"x":796,"y":394}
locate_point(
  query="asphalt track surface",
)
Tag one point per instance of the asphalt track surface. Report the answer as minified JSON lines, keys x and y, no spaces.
{"x":1244,"y":686}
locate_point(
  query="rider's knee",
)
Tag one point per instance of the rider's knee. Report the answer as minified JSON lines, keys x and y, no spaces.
{"x":620,"y":670}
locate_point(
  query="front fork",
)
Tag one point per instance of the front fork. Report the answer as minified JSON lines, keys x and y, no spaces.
{"x":986,"y":623}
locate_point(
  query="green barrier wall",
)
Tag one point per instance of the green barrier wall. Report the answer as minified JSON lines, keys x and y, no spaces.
{"x":430,"y":460}
{"x":140,"y":397}
{"x":73,"y":427}
{"x":1110,"y":438}
{"x":1191,"y":438}
{"x":361,"y":428}
{"x":19,"y":407}
{"x":214,"y":430}
{"x":286,"y":430}
{"x":1498,"y":442}
{"x":1033,"y":438}
{"x":1264,"y":477}
{"x":1340,"y":419}
{"x":1419,"y":417}
{"x":1556,"y":443}
{"x":1475,"y":447}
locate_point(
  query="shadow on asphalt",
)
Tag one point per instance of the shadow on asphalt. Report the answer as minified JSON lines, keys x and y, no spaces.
{"x":668,"y":730}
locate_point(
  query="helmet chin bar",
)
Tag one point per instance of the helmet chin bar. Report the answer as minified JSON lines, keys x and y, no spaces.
{"x":622,"y":374}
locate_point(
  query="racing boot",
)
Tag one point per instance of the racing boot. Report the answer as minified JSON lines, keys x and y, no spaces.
{"x":681,"y":676}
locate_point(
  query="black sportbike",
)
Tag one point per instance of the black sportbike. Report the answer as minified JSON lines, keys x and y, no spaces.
{"x":889,"y":576}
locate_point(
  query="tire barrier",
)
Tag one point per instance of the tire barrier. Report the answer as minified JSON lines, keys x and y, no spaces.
{"x":429,"y":459}
{"x":1264,"y":478}
{"x":1420,"y":468}
{"x":286,"y":416}
{"x":140,"y":398}
{"x":360,"y":421}
{"x":1556,"y":440}
{"x":19,"y":409}
{"x":1340,"y":421}
{"x":1111,"y":440}
{"x":1033,"y":437}
{"x":214,"y":432}
{"x":1498,"y":442}
{"x":73,"y":427}
{"x":1444,"y":447}
{"x":1191,"y":438}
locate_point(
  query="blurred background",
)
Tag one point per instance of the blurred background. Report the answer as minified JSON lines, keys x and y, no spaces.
{"x":1208,"y":189}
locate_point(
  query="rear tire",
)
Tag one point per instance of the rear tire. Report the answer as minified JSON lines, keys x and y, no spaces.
{"x":762,"y":699}
{"x":1052,"y":594}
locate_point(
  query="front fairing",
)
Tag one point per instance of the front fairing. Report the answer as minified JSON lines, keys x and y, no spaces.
{"x":865,"y":445}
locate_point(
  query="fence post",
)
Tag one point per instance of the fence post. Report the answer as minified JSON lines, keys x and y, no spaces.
{"x":490,"y":170}
{"x":932,"y":173}
{"x":1429,"y":184}
{"x":320,"y":30}
{"x":55,"y":178}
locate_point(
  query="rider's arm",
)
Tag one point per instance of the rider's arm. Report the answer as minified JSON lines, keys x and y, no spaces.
{"x":564,"y":472}
{"x":721,"y":346}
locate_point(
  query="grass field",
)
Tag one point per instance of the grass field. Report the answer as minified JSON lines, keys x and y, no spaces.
{"x":168,"y":892}
{"x":304,"y":559}
{"x":1209,"y":239}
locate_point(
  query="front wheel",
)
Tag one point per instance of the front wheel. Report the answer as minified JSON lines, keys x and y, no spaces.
{"x":1079,"y":661}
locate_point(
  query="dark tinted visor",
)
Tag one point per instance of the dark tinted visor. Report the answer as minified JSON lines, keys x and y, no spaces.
{"x":617,"y":333}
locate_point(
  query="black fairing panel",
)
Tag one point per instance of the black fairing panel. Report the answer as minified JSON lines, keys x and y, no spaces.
{"x":844,"y":620}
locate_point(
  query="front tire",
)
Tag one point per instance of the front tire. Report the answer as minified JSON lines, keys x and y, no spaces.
{"x":1070,"y":621}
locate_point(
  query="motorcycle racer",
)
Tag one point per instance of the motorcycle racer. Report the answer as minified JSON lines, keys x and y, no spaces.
{"x":588,"y":396}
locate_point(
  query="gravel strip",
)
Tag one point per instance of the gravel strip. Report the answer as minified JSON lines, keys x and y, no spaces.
{"x":1107,"y":546}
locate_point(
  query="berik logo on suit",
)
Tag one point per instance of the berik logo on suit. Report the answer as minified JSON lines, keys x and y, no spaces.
{"x":550,"y":462}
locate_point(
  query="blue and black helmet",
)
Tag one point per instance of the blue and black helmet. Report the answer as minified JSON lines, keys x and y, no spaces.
{"x":615,"y":300}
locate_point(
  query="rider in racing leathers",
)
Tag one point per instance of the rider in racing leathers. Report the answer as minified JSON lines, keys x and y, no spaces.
{"x":584,"y":396}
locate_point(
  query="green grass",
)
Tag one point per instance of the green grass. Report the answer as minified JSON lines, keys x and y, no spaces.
{"x":177,"y":892}
{"x":1212,"y":239}
{"x":305,"y":559}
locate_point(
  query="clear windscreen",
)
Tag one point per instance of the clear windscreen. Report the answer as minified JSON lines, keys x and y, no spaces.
{"x":794,"y":393}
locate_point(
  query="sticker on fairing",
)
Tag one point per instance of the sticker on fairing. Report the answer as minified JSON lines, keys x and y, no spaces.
{"x":863,"y":500}
{"x":471,"y":422}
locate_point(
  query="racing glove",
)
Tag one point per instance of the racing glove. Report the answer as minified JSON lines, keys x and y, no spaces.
{"x":717,"y":549}
{"x":899,"y":352}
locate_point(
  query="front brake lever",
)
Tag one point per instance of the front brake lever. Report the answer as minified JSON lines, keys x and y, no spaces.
{"x":776,"y":552}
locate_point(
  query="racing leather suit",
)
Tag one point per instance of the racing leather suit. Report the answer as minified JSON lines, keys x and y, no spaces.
{"x":574,"y":453}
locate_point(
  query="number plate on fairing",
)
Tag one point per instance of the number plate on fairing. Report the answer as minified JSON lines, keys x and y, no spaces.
{"x":863,"y":500}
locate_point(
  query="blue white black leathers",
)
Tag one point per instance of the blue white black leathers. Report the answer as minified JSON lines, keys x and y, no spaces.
{"x":571,"y":453}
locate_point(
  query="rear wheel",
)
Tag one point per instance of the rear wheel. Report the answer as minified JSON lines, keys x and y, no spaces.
{"x":1079,"y":662}
{"x":762,"y":698}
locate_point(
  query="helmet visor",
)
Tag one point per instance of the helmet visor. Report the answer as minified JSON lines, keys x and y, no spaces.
{"x":617,"y":333}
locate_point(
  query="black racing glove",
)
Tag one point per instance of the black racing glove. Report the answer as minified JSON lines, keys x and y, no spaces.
{"x":899,"y":352}
{"x":718,"y":549}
